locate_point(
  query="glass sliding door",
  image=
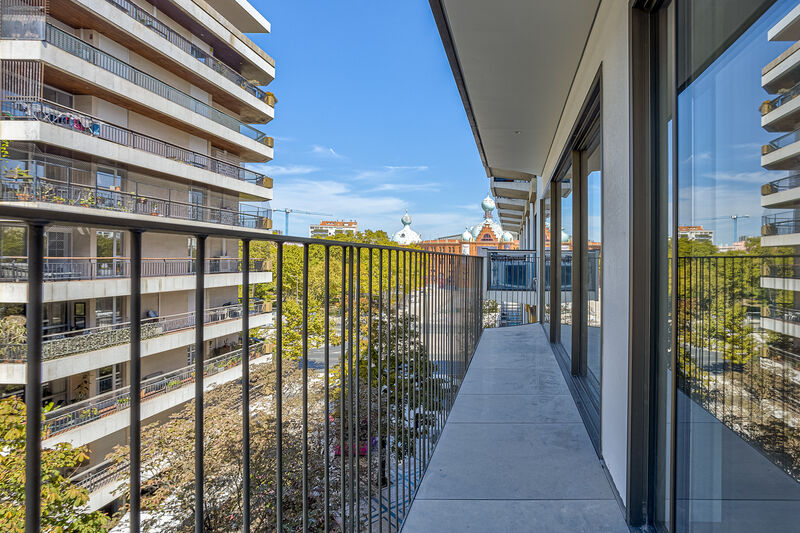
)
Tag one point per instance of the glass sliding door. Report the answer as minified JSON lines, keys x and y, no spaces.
{"x":564,"y":240}
{"x":591,"y":260}
{"x":545,"y":301}
{"x":737,"y":453}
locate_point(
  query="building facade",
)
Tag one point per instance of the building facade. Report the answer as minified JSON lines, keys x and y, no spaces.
{"x":639,"y":131}
{"x":486,"y":235}
{"x":330,"y":228}
{"x":130,"y":110}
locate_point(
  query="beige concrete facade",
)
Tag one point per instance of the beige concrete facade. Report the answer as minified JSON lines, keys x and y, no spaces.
{"x":134,"y":110}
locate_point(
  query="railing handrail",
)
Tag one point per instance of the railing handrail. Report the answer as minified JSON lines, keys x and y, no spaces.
{"x":90,"y":409}
{"x":785,"y":183}
{"x":139,"y":141}
{"x":158,"y":27}
{"x":83,"y":50}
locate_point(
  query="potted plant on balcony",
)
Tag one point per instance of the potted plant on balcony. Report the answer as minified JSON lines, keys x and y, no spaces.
{"x":88,"y":201}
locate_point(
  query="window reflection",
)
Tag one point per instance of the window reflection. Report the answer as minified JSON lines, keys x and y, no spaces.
{"x":738,"y":296}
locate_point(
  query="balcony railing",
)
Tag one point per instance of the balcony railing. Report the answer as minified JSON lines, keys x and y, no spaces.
{"x":783,"y":98}
{"x":39,"y":189}
{"x":745,"y":376}
{"x":784,"y":223}
{"x":783,"y":184}
{"x":371,"y":347}
{"x":102,"y":405}
{"x":781,"y":142}
{"x":65,"y":117}
{"x":511,"y":299}
{"x":184,"y":44}
{"x":15,"y":269}
{"x":66,"y":343}
{"x":78,"y":48}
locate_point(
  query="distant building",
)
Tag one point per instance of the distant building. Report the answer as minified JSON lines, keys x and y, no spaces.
{"x":406,"y":235}
{"x":487,"y":234}
{"x":696,"y":233}
{"x":329,"y":228}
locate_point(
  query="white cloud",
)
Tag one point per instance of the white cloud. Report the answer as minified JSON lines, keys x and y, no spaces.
{"x":388,"y":172}
{"x":407,"y":187}
{"x":287,"y":170}
{"x":325,"y":151}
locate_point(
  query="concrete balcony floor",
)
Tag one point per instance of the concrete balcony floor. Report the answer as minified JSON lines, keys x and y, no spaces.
{"x":514,"y":454}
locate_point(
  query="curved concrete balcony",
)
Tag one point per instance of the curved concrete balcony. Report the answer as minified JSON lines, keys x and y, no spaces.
{"x":781,"y":113}
{"x":75,"y":65}
{"x":93,"y":348}
{"x":86,"y":421}
{"x":124,"y":203}
{"x":32,"y":120}
{"x":128,"y":24}
{"x":79,"y":278}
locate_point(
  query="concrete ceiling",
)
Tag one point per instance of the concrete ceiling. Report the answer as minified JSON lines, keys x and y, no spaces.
{"x":514,"y":62}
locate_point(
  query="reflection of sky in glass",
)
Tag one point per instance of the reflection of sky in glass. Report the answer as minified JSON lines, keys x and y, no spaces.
{"x":593,"y":201}
{"x":720,"y":136}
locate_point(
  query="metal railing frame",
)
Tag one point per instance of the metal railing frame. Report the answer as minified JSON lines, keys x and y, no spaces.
{"x":445,"y":312}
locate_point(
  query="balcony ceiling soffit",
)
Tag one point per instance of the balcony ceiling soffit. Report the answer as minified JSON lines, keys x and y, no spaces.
{"x":517,"y":61}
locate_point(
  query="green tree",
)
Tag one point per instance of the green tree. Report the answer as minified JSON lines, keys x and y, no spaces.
{"x":62,"y":502}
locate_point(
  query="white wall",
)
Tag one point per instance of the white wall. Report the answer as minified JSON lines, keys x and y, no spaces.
{"x":607,"y":51}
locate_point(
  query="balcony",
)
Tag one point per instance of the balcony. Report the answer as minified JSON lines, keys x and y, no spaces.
{"x":780,"y":229}
{"x":514,"y":451}
{"x":81,"y":124}
{"x":510,"y":188}
{"x":781,"y":193}
{"x":780,"y":113}
{"x":783,"y":153}
{"x":38,"y":189}
{"x":83,"y":51}
{"x":158,"y":394}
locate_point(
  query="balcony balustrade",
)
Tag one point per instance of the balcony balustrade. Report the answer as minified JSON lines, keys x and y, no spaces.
{"x":65,"y":117}
{"x":37,"y":189}
{"x":15,"y":269}
{"x":80,"y":413}
{"x":785,"y":223}
{"x":780,"y":185}
{"x":78,"y":48}
{"x":161,"y":29}
{"x":66,"y":343}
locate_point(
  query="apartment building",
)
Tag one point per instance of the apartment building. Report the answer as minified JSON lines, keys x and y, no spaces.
{"x":131,"y":110}
{"x":329,"y":228}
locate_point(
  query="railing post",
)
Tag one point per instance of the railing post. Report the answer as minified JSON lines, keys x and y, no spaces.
{"x":279,"y":389}
{"x":245,"y":386}
{"x":199,"y":310}
{"x":33,"y":386}
{"x":135,"y":380}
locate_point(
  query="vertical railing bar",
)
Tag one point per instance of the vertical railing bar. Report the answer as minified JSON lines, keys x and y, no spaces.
{"x":327,"y":436}
{"x":405,"y":348}
{"x":199,"y":357}
{"x":388,"y":388}
{"x":279,"y":389}
{"x":397,"y":400}
{"x":357,"y":394}
{"x":369,"y":394}
{"x":136,"y":382}
{"x":351,"y":423}
{"x":33,"y":381}
{"x":342,"y":395}
{"x":381,"y":473}
{"x":245,"y":385}
{"x":305,"y":386}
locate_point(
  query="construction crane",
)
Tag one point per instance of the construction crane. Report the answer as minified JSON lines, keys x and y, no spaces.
{"x":735,"y":219}
{"x":287,"y":211}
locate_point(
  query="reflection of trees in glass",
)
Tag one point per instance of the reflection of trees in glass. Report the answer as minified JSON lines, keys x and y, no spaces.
{"x":739,"y":372}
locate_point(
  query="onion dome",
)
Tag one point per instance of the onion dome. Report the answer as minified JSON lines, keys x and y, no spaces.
{"x":506,"y":237}
{"x":467,"y":236}
{"x":488,"y":205}
{"x":406,"y":235}
{"x":564,"y":237}
{"x":406,"y":220}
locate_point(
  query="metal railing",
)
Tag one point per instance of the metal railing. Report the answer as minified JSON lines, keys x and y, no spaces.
{"x":511,"y":291}
{"x":781,"y":142}
{"x":15,"y":269}
{"x":778,"y":101}
{"x":81,"y":413}
{"x":71,"y":342}
{"x":744,"y":372}
{"x":37,"y":189}
{"x":65,"y":117}
{"x":783,"y":223}
{"x":159,"y":28}
{"x":371,"y":344}
{"x":78,"y":48}
{"x":783,"y":184}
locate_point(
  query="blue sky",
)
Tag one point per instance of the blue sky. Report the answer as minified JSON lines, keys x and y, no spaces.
{"x":369,"y":122}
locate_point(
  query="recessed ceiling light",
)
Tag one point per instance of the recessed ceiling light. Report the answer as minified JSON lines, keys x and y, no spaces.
{"x":517,"y":132}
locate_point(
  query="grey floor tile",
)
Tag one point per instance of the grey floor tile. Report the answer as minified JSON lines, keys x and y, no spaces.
{"x":502,"y":516}
{"x":530,"y":409}
{"x":514,"y":461}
